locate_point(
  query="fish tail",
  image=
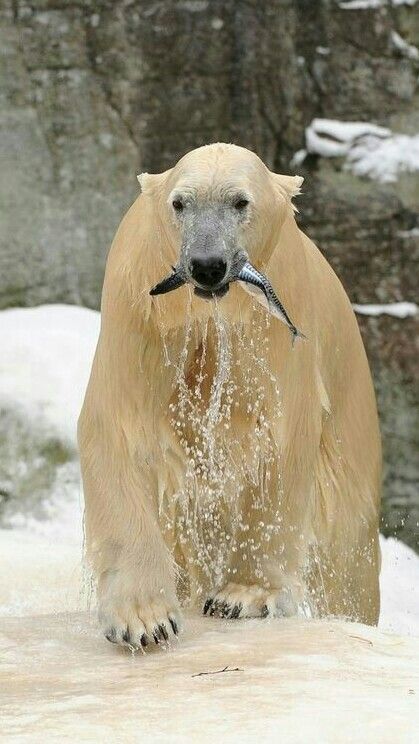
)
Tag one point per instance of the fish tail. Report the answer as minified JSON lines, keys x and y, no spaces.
{"x":297,"y":334}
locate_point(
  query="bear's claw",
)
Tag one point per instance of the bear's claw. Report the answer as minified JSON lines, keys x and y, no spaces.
{"x":174,"y":625}
{"x":207,"y":605}
{"x":138,"y":633}
{"x":235,"y":601}
{"x":235,"y":612}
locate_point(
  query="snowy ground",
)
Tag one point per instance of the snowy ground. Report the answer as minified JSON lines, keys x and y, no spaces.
{"x":78,"y":688}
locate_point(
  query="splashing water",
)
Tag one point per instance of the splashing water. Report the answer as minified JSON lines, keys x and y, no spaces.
{"x":224,"y":410}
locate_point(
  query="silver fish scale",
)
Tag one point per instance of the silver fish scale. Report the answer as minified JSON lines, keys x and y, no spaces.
{"x":253,"y":276}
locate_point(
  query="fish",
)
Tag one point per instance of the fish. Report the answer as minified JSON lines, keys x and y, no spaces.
{"x":256,"y":283}
{"x":252,"y":280}
{"x":171,"y":282}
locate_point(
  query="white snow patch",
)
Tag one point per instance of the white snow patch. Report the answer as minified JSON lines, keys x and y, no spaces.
{"x":360,"y":4}
{"x":383,"y":160}
{"x":332,"y":138}
{"x":396,"y":309}
{"x":298,"y":158}
{"x":399,"y":582}
{"x":412,"y":233}
{"x":406,"y":49}
{"x":217,"y":24}
{"x":370,"y":151}
{"x":367,"y":4}
{"x":46,"y":354}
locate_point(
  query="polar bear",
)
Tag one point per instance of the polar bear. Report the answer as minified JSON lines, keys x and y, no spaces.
{"x":222,"y":465}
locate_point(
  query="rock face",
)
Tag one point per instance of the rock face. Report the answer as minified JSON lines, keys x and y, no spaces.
{"x":94,"y":91}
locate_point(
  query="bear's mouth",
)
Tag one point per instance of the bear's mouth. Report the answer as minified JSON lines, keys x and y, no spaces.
{"x":210,"y":294}
{"x":249,"y":277}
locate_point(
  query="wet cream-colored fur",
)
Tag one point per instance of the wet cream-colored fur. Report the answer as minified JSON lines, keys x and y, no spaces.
{"x":294,"y":523}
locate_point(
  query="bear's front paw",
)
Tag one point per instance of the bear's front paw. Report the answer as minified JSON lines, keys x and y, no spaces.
{"x":134,"y":617}
{"x":235,"y":600}
{"x":137,"y":624}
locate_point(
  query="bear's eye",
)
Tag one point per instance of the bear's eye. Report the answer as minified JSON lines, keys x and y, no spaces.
{"x":177,"y":205}
{"x":241,"y":204}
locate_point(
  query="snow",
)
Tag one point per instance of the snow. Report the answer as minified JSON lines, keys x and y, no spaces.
{"x":396,"y":309}
{"x":298,"y":158}
{"x":399,"y":581}
{"x":370,"y":151}
{"x":296,"y":682}
{"x":407,"y":234}
{"x":331,"y":138}
{"x":62,"y":681}
{"x":406,"y":49}
{"x":372,"y":4}
{"x":383,"y":160}
{"x":361,"y":4}
{"x":45,"y":362}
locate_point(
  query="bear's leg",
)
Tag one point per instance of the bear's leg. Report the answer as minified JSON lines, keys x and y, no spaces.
{"x":344,"y":578}
{"x":267,"y":570}
{"x":135,"y":573}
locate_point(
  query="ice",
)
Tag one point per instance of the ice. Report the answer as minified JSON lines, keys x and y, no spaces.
{"x":396,"y":309}
{"x":370,"y":151}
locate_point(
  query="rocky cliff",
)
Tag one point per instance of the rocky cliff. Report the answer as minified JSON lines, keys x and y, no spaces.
{"x":93,"y":92}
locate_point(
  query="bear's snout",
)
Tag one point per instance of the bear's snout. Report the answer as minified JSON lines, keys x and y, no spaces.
{"x":208,"y":271}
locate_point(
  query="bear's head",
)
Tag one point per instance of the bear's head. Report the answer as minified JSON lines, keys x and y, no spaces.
{"x":220,"y":206}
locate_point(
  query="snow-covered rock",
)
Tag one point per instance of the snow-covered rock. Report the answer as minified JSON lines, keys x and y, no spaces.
{"x":370,"y":151}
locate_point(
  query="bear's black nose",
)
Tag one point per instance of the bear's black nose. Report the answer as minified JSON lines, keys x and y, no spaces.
{"x":208,"y":271}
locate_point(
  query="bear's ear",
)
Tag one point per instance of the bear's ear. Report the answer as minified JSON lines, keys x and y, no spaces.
{"x":288,"y":186}
{"x":292,"y":184}
{"x":151,"y":182}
